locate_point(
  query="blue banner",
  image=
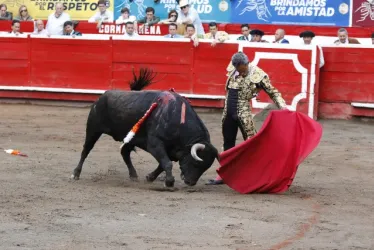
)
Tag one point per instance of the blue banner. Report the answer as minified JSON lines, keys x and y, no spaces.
{"x":297,"y":12}
{"x":209,"y":10}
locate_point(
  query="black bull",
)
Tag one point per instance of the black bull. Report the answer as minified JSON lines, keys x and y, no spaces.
{"x":173,"y":131}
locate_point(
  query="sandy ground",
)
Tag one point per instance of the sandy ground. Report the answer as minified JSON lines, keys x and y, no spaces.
{"x":329,"y":206}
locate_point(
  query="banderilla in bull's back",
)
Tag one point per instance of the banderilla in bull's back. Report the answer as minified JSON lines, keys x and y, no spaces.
{"x":163,"y":123}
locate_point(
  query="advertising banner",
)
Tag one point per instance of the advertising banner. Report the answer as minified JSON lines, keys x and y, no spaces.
{"x":297,"y":12}
{"x":209,"y":10}
{"x":41,"y":9}
{"x":363,"y":13}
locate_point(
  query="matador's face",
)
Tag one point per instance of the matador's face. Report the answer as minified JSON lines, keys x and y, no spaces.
{"x":242,"y":70}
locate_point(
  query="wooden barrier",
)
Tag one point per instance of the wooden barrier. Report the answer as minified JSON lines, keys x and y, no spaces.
{"x":65,"y":68}
{"x":347,"y":82}
{"x":80,"y":68}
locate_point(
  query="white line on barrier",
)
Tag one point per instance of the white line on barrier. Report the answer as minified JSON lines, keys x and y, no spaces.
{"x":362,"y":105}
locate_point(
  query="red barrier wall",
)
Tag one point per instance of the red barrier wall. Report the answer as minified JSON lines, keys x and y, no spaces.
{"x":347,"y":77}
{"x":80,"y":69}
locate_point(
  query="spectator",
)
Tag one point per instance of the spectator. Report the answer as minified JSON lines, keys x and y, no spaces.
{"x":279,"y":36}
{"x":69,"y":29}
{"x":257,"y":36}
{"x":172,"y":18}
{"x":4,"y":14}
{"x":343,"y":38}
{"x":125,"y":17}
{"x":245,"y":33}
{"x":189,"y":15}
{"x":39,"y":28}
{"x":55,"y":23}
{"x":23,"y":14}
{"x":372,"y":38}
{"x":307,"y":38}
{"x":173,"y":31}
{"x":218,"y":36}
{"x":16,"y":26}
{"x":103,"y":15}
{"x":150,"y":19}
{"x":130,"y":33}
{"x":191,"y":33}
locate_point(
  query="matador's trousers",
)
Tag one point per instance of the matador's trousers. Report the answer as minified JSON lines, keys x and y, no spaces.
{"x":237,"y":115}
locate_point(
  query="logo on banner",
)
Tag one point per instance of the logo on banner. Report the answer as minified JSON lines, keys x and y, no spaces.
{"x":366,"y":10}
{"x":259,"y":6}
{"x":301,"y":8}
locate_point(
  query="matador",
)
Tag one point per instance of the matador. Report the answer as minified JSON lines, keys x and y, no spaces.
{"x":244,"y":82}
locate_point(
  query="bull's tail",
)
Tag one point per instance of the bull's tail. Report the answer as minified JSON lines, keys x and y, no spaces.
{"x":145,"y":79}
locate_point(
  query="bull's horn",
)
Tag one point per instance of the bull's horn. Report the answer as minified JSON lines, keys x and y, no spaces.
{"x":195,"y":147}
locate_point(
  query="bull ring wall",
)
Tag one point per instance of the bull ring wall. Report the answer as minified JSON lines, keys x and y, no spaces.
{"x":82,"y":68}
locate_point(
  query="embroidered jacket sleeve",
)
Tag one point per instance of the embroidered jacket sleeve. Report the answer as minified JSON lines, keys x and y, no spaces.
{"x":260,"y":78}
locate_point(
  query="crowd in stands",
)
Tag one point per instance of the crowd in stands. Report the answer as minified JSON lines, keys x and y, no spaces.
{"x":183,"y":22}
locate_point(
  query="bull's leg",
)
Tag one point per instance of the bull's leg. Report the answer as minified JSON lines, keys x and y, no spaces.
{"x":91,"y":139}
{"x":153,"y":175}
{"x":157,"y":148}
{"x":125,"y":152}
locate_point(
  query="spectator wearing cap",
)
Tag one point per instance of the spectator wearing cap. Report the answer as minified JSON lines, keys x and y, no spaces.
{"x":69,"y":29}
{"x":103,"y":15}
{"x":279,"y":36}
{"x":23,"y":14}
{"x":4,"y":14}
{"x":188,"y":15}
{"x":173,"y":31}
{"x":344,"y":39}
{"x":16,"y":26}
{"x":307,"y":40}
{"x":126,"y":17}
{"x":307,"y":36}
{"x":55,"y":23}
{"x":257,"y":36}
{"x":245,"y":33}
{"x":215,"y":34}
{"x":372,"y":38}
{"x":130,"y":30}
{"x":150,"y":18}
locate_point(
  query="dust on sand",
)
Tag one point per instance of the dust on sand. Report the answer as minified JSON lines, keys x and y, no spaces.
{"x":329,"y":206}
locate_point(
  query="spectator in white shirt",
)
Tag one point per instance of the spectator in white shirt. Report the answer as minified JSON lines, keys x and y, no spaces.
{"x":189,"y":15}
{"x":55,"y":23}
{"x":39,"y":28}
{"x":130,"y":33}
{"x":125,"y":17}
{"x":103,"y":15}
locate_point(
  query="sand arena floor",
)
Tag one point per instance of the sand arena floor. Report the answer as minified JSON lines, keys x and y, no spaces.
{"x":329,"y":206}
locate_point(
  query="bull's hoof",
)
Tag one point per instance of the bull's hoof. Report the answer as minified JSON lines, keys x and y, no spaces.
{"x":169,"y":183}
{"x":150,"y":178}
{"x":134,"y":178}
{"x":74,"y":177}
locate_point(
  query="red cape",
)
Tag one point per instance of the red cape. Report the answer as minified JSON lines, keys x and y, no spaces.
{"x":267,"y":163}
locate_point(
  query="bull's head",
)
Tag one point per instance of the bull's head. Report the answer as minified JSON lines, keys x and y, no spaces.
{"x":196,"y":161}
